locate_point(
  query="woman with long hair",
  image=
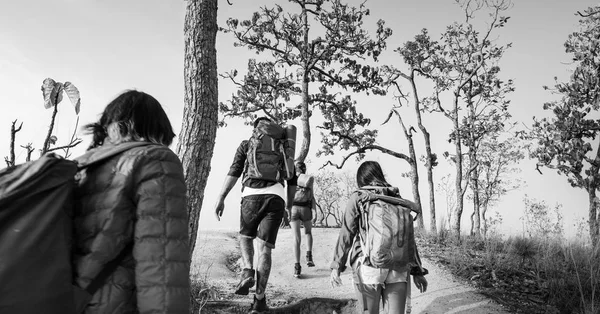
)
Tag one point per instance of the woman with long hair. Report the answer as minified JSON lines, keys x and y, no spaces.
{"x":390,"y":285}
{"x":131,"y":202}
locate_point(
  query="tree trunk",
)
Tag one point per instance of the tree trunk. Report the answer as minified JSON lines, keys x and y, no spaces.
{"x":303,"y":152}
{"x":414,"y":172}
{"x":428,"y":156}
{"x":415,"y":183}
{"x":458,"y":180}
{"x":475,"y":221}
{"x":429,"y":166}
{"x":199,"y":125}
{"x":594,"y":214}
{"x":594,"y":222}
{"x":594,"y":218}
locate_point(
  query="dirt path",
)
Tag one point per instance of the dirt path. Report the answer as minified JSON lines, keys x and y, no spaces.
{"x":217,"y":257}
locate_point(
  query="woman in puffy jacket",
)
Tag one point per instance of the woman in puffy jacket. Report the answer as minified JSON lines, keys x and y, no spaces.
{"x":133,"y":201}
{"x":390,"y":285}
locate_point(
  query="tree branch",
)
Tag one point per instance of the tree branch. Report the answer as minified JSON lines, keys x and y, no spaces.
{"x":13,"y":132}
{"x":71,"y":145}
{"x":588,"y":14}
{"x":29,"y":149}
{"x":366,"y":148}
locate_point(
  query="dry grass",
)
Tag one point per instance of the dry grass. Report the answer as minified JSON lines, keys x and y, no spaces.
{"x":524,"y":273}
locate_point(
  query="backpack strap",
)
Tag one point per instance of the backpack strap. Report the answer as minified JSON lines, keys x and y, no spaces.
{"x":368,"y":196}
{"x":363,"y":223}
{"x":110,"y":268}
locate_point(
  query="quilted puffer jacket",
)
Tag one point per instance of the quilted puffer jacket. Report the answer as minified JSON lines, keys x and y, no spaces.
{"x":136,"y":196}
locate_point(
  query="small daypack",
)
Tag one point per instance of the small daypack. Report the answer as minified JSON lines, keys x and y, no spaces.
{"x":387,"y":234}
{"x":36,"y":211}
{"x":270,"y":155}
{"x":304,"y":191}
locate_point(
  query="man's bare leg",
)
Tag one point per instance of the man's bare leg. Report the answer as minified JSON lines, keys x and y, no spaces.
{"x":247,"y":248}
{"x":263,"y":269}
{"x":247,"y":281}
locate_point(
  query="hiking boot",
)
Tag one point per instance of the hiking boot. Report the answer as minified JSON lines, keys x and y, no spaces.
{"x":297,"y":270}
{"x":309,"y":260}
{"x":246,"y":283}
{"x":259,"y":306}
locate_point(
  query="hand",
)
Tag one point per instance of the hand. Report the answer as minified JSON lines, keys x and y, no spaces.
{"x":286,"y":219}
{"x":335,"y":280}
{"x":420,"y":283}
{"x":219,"y":207}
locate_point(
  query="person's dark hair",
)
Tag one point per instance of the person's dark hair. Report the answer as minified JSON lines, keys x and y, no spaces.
{"x":257,"y":121}
{"x":301,"y":165}
{"x":370,"y":173}
{"x":139,"y":117}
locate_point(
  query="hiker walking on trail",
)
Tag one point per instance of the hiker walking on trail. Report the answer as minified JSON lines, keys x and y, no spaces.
{"x":130,"y":212}
{"x":301,"y":214}
{"x":265,"y":161}
{"x":378,"y":227}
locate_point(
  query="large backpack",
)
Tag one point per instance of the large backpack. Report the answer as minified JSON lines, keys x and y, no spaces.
{"x":387,"y":234}
{"x":270,"y":155}
{"x":36,"y":210}
{"x":304,"y":191}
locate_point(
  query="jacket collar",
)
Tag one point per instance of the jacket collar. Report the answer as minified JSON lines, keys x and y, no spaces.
{"x":383,"y":190}
{"x":104,"y":152}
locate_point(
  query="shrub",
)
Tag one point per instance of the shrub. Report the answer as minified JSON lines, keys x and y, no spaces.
{"x":522,"y":248}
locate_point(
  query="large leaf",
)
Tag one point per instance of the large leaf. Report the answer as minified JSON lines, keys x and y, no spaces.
{"x":73,"y":94}
{"x":47,"y":89}
{"x":52,"y":92}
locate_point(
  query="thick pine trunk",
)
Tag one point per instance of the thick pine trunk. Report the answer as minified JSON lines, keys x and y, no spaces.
{"x":199,"y":125}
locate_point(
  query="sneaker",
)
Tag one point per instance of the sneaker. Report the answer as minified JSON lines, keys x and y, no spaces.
{"x":297,"y":270}
{"x":309,"y":260}
{"x":259,"y":306}
{"x":246,"y":283}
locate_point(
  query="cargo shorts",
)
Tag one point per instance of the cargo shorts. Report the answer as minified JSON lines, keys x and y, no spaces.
{"x":260,"y":216}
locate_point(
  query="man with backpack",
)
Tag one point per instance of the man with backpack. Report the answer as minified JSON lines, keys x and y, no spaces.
{"x":265,"y":161}
{"x":301,"y":214}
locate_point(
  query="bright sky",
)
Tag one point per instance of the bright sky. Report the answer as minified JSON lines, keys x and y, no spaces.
{"x":105,"y":47}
